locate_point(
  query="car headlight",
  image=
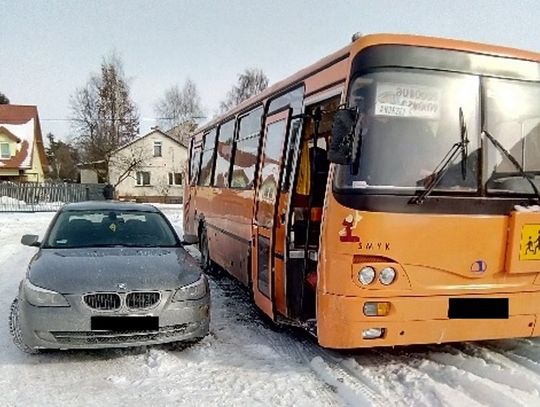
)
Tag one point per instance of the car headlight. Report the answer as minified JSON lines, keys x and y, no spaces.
{"x":193,"y":291}
{"x":387,"y":275}
{"x":41,"y":297}
{"x":366,"y":275}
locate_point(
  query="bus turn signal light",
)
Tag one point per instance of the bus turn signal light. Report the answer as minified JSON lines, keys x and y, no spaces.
{"x":376,"y":309}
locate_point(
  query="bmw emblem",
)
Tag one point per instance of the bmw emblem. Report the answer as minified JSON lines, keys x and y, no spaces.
{"x":122,"y":286}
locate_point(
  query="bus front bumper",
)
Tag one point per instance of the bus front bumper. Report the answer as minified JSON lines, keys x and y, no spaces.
{"x":341,"y":323}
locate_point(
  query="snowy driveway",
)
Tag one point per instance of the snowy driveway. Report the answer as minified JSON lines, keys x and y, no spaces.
{"x":245,"y":362}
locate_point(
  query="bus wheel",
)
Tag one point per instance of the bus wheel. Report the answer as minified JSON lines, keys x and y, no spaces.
{"x":206,"y":263}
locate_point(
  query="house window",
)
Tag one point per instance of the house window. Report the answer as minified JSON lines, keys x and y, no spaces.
{"x":5,"y":151}
{"x":175,"y":178}
{"x":157,"y":148}
{"x":143,"y":178}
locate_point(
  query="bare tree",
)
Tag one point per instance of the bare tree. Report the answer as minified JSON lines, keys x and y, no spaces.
{"x":103,"y":115}
{"x":179,"y":110}
{"x":251,"y":82}
{"x":163,"y":187}
{"x":124,"y":164}
{"x":3,"y":99}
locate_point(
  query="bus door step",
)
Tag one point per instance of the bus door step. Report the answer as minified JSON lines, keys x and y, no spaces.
{"x":299,"y":254}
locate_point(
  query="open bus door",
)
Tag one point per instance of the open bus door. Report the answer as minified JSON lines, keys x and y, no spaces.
{"x":266,"y":196}
{"x":191,"y":175}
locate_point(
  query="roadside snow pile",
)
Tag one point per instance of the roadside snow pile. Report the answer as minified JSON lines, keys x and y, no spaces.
{"x":532,"y":208}
{"x":8,"y":201}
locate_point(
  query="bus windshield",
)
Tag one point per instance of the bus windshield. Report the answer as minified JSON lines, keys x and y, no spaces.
{"x":513,"y":118}
{"x":409,"y":120}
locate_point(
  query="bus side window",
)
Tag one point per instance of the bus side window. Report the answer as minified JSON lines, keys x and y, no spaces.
{"x":208,"y":159}
{"x":289,"y":156}
{"x":195,"y":165}
{"x":223,"y":154}
{"x":244,"y":160}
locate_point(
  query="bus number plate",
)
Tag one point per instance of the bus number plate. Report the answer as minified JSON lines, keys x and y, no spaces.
{"x":478,"y":308}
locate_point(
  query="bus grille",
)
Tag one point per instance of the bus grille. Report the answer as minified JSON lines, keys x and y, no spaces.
{"x":138,"y":300}
{"x":103,"y":301}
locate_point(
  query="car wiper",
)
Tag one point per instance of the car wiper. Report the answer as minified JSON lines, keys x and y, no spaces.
{"x":441,"y":169}
{"x":145,"y":245}
{"x":100,"y":245}
{"x":513,"y":160}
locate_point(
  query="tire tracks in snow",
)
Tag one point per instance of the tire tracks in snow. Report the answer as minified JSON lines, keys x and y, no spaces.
{"x":398,"y":377}
{"x":239,"y":308}
{"x":474,"y":377}
{"x":499,"y":373}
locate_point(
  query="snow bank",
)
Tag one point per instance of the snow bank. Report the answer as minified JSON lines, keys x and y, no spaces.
{"x":6,"y":200}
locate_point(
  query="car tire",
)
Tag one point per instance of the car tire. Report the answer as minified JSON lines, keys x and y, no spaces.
{"x":15,"y":329}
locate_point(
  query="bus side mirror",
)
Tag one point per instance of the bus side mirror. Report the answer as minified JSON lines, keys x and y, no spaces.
{"x":341,"y":145}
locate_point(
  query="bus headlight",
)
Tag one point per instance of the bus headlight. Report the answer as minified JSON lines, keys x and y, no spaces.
{"x":366,"y":275}
{"x":387,"y":275}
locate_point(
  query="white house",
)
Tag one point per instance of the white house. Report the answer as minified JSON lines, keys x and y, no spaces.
{"x":149,"y":169}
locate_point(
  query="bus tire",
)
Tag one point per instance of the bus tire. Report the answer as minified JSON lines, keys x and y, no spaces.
{"x":207,"y":264}
{"x":204,"y":248}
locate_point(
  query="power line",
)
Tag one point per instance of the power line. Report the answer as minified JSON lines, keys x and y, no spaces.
{"x":146,"y":119}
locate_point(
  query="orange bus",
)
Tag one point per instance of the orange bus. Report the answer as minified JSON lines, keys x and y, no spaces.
{"x":385,"y":195}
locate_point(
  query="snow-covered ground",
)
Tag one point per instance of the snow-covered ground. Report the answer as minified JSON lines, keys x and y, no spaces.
{"x":244,"y":361}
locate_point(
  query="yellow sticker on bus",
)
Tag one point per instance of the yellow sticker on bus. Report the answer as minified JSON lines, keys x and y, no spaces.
{"x":529,"y":248}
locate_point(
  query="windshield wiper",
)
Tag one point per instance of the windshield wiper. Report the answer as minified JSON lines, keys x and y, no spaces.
{"x":441,"y":169}
{"x":513,"y":160}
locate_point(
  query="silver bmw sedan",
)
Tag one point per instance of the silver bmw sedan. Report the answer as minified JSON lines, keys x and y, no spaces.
{"x":109,"y":274}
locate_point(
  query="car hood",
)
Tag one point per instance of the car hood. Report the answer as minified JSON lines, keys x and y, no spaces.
{"x":72,"y":271}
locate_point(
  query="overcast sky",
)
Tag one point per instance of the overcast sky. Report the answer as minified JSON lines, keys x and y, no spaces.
{"x":49,"y":48}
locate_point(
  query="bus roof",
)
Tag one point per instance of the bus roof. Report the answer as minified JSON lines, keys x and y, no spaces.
{"x":364,"y":42}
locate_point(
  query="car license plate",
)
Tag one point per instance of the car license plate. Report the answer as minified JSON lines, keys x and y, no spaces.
{"x":125,"y":323}
{"x":478,"y":308}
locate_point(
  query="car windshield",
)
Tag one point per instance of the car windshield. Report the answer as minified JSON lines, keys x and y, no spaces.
{"x":409,"y":121}
{"x":110,"y":228}
{"x":513,"y":118}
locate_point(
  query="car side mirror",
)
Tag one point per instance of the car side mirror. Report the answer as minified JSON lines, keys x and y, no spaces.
{"x":189,"y":240}
{"x":341,"y":145}
{"x":30,"y":240}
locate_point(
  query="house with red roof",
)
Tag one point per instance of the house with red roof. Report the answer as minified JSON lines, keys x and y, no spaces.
{"x":22,"y":152}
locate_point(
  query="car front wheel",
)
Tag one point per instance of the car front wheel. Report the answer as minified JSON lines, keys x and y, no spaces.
{"x":15,"y":328}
